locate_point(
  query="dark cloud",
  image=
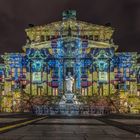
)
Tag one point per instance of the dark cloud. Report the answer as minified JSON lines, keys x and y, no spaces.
{"x":15,"y":15}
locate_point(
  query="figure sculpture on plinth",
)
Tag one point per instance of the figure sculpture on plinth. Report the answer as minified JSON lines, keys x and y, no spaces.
{"x":69,"y":82}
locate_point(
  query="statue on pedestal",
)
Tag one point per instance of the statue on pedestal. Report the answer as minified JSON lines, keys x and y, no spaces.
{"x":69,"y":82}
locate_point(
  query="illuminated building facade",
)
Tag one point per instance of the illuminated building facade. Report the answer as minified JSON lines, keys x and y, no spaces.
{"x":85,"y":50}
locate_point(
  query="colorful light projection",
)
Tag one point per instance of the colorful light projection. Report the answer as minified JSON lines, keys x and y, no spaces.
{"x":37,"y":77}
{"x":84,"y":49}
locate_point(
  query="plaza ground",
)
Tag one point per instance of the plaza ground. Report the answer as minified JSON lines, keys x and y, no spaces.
{"x":112,"y":127}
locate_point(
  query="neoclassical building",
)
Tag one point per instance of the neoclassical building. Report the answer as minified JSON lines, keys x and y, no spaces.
{"x":82,"y":49}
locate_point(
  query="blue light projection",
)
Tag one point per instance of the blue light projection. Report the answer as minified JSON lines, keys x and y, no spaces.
{"x":64,"y":54}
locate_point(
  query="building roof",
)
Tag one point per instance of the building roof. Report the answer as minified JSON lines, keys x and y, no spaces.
{"x":69,"y":26}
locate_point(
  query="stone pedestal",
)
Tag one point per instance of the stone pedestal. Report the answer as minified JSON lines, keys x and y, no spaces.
{"x":69,"y":104}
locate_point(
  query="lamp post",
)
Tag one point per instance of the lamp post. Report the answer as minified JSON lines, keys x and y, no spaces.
{"x":21,"y":88}
{"x":0,"y":98}
{"x":30,"y":77}
{"x":109,"y":79}
{"x":92,"y":79}
{"x":63,"y":74}
{"x":75,"y":78}
{"x":46,"y":77}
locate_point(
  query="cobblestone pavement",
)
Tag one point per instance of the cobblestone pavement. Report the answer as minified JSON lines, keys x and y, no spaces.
{"x":69,"y":129}
{"x":7,"y":119}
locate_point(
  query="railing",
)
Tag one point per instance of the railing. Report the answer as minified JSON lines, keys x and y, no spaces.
{"x":71,"y":110}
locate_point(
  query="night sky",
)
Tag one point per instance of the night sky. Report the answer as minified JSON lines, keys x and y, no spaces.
{"x":16,"y":15}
